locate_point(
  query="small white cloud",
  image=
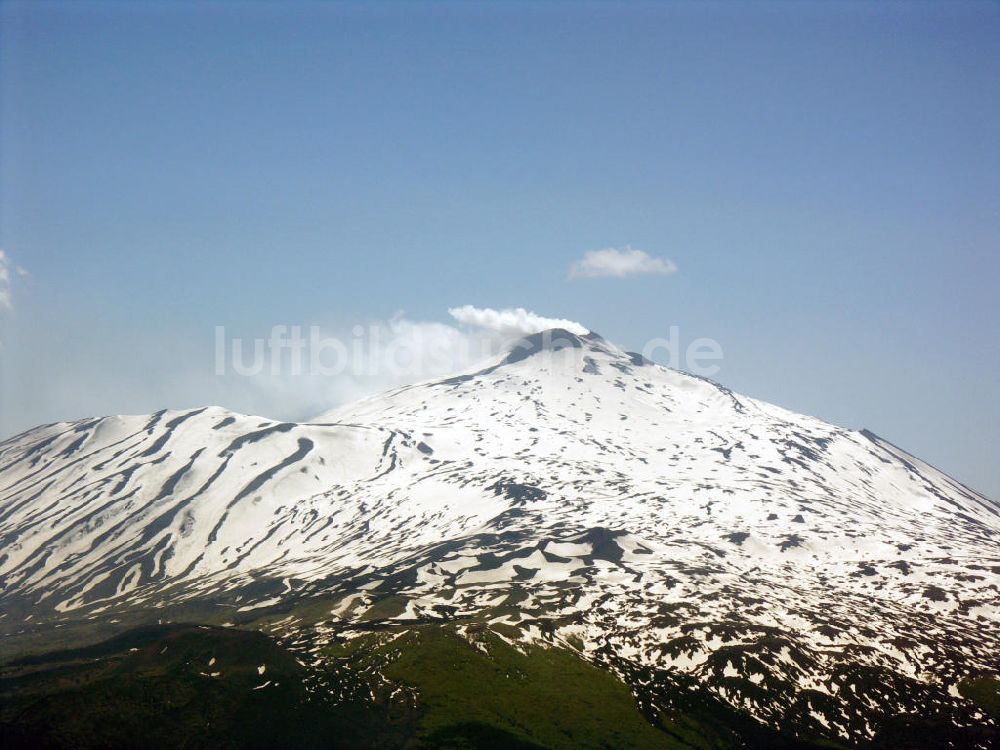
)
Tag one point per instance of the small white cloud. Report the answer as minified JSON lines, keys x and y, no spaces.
{"x":511,"y":321}
{"x":619,"y":263}
{"x":5,"y":300}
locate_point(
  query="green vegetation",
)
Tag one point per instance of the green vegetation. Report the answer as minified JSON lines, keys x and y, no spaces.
{"x":413,"y":687}
{"x":385,"y":609}
{"x":193,"y":686}
{"x":472,"y":691}
{"x":159,"y":688}
{"x":984,"y":691}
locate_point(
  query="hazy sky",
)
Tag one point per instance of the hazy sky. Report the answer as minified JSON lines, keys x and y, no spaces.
{"x":823,"y":181}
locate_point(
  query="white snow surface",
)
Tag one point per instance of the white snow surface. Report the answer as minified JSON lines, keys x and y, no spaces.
{"x":660,"y":518}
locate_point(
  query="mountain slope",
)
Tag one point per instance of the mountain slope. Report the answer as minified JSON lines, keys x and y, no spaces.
{"x":678,"y":534}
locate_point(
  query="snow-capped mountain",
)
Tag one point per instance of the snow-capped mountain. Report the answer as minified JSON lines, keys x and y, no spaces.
{"x":665,"y":527}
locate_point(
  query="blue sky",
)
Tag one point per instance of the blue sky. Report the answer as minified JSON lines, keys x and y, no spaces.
{"x":825,"y":176}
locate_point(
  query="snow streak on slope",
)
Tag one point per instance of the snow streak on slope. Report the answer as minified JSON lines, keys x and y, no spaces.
{"x":681,"y":533}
